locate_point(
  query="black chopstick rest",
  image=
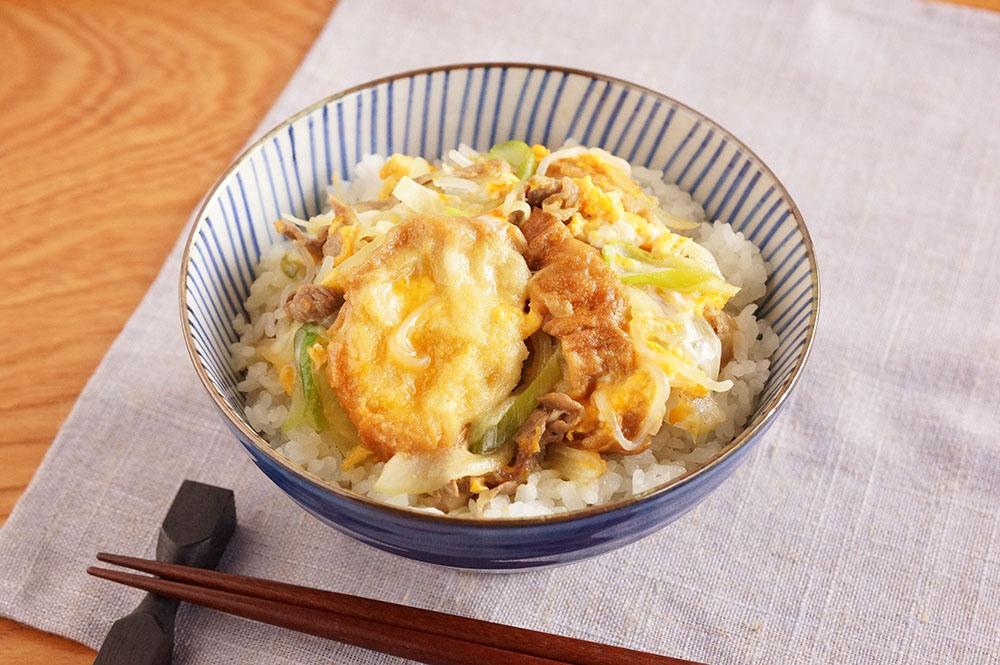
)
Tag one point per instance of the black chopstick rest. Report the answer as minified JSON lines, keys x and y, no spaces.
{"x":195,"y":532}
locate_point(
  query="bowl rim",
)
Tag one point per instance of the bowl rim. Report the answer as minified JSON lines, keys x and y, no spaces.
{"x":756,"y":427}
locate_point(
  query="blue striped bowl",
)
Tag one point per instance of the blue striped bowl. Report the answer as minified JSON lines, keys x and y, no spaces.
{"x":426,"y":113}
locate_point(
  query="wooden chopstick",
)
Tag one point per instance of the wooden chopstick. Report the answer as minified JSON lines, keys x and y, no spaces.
{"x":395,"y":641}
{"x":367,"y":622}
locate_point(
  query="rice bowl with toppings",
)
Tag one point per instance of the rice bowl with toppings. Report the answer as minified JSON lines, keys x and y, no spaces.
{"x":508,"y":334}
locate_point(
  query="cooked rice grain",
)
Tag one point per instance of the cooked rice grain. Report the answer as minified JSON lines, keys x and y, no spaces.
{"x":671,"y":454}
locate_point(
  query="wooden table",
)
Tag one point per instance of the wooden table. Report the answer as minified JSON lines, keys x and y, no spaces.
{"x":149,"y":100}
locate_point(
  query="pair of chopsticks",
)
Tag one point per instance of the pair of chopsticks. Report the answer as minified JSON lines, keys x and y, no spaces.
{"x":407,"y":632}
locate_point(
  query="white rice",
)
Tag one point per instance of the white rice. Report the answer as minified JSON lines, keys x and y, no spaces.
{"x":672,"y":451}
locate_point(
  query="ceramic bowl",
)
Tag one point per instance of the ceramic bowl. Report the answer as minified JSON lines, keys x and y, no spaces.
{"x":427,"y":112}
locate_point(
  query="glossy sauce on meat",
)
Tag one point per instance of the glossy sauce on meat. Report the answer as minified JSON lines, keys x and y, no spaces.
{"x":582,"y":301}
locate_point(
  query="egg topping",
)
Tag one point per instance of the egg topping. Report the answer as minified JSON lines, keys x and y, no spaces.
{"x":431,"y":333}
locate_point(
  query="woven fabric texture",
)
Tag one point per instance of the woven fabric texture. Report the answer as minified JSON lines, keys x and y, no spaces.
{"x":864,"y":528}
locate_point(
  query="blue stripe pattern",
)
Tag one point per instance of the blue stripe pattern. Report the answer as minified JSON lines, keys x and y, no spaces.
{"x":433,"y":112}
{"x":430,"y":112}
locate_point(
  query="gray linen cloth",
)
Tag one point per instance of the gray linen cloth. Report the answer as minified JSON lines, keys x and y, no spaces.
{"x":864,"y":528}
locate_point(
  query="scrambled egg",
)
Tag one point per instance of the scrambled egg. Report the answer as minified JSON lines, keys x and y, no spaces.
{"x":612,"y":206}
{"x":680,"y":352}
{"x":431,"y":334}
{"x":396,"y":168}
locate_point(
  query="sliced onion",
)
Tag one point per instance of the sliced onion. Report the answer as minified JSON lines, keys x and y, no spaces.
{"x":579,"y":466}
{"x":323,"y":269}
{"x":353,"y":260}
{"x":467,"y":152}
{"x":653,"y":301}
{"x":701,"y":342}
{"x":607,"y":414}
{"x":400,"y":346}
{"x":618,"y":162}
{"x":430,"y":471}
{"x":514,"y":203}
{"x":459,"y":158}
{"x":574,"y":151}
{"x":654,"y":417}
{"x":543,"y":166}
{"x":698,"y":253}
{"x":287,"y":292}
{"x":297,"y":221}
{"x":417,"y":197}
{"x":676,"y":364}
{"x":455,"y":184}
{"x":673,"y":221}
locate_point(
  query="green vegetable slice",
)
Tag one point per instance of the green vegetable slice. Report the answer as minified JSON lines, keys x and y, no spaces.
{"x":629,"y":259}
{"x":679,"y":279}
{"x":518,"y":154}
{"x":291,"y":267}
{"x":345,"y":435}
{"x":314,"y":402}
{"x":306,"y":404}
{"x":490,"y":431}
{"x":678,"y":273}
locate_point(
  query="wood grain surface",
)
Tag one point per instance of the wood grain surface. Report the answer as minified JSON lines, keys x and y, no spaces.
{"x":116,"y":118}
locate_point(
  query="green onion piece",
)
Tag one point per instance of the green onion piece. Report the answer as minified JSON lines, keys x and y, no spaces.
{"x":677,"y":273}
{"x":683,"y":281}
{"x":297,"y":410}
{"x":630,"y":259}
{"x":291,"y":267}
{"x":489,"y":432}
{"x":344,"y":434}
{"x":676,"y":279}
{"x":306,"y":404}
{"x":518,"y":154}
